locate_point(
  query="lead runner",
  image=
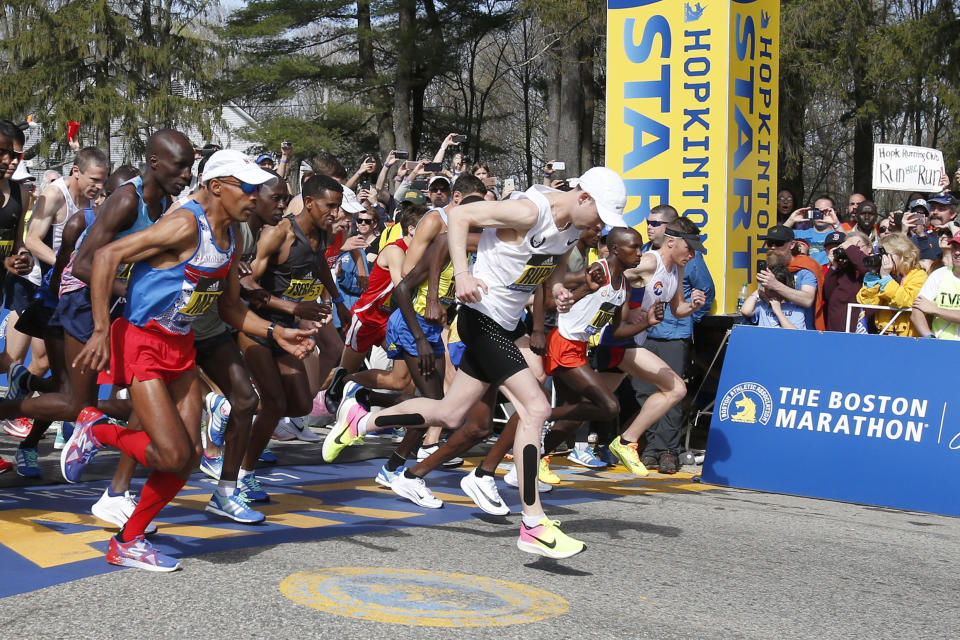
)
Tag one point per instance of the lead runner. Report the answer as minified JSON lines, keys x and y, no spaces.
{"x":524,"y":239}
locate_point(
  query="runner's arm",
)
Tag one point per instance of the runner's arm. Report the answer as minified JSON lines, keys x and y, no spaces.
{"x":117,"y":214}
{"x":429,"y":228}
{"x":43,"y":217}
{"x":403,"y":298}
{"x":623,"y":328}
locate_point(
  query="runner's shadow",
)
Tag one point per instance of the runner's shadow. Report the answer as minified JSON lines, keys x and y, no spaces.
{"x":231,"y":556}
{"x":614,"y":527}
{"x":553,"y":566}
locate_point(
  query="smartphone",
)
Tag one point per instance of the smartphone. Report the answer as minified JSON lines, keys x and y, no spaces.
{"x":401,"y":155}
{"x":490,"y":182}
{"x":410,"y":165}
{"x":433,"y":167}
{"x":285,"y":144}
{"x":460,"y":138}
{"x":419,"y":185}
{"x":558,"y":166}
{"x":761,"y":266}
{"x":509,"y":184}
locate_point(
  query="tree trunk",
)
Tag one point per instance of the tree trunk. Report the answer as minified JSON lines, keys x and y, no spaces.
{"x":571,"y":109}
{"x":589,"y":86}
{"x":406,"y":56}
{"x":383,"y":111}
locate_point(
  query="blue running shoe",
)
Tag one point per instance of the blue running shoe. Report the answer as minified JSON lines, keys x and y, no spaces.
{"x":27,"y":465}
{"x":140,"y":554}
{"x":80,"y":449}
{"x":252,"y":489}
{"x":267,"y":457}
{"x":586,"y":458}
{"x":211,"y":466}
{"x":234,"y":507}
{"x":385,"y":476}
{"x":218,"y":408}
{"x":17,"y":378}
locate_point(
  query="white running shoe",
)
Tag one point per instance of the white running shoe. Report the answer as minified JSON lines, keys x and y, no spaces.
{"x":285,"y":431}
{"x":425,"y":452}
{"x":416,"y":491}
{"x":483,"y":491}
{"x":297,"y":427}
{"x":117,"y":509}
{"x":511,"y":479}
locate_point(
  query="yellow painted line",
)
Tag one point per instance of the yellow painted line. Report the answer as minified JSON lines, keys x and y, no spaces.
{"x":47,"y":547}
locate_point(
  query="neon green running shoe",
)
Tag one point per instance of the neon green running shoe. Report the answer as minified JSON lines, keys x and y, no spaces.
{"x":344,"y":431}
{"x":546,"y":539}
{"x":627,"y":453}
{"x":545,"y":473}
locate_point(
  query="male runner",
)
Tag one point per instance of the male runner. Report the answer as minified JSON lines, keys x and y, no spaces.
{"x":523,"y":241}
{"x":182,"y":264}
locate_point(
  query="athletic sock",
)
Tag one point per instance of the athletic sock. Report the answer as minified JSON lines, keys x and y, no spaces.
{"x":395,"y":461}
{"x":132,"y":443}
{"x":623,"y":441}
{"x":362,"y":425}
{"x":161,"y":487}
{"x":410,"y":475}
{"x":114,"y":494}
{"x":226,"y":487}
{"x":531,"y":521}
{"x":244,"y":473}
{"x":481,"y":472}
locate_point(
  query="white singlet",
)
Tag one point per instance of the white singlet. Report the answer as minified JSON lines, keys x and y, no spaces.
{"x":55,"y":233}
{"x":661,"y":288}
{"x":512,"y":272}
{"x":593,"y":312}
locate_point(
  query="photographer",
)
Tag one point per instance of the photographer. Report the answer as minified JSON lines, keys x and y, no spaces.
{"x":807,"y":274}
{"x":767,"y":308}
{"x":364,"y":178}
{"x":943,"y":212}
{"x":914,"y":224}
{"x":894,"y":280}
{"x":823,"y":220}
{"x":938,"y":299}
{"x":844,"y":277}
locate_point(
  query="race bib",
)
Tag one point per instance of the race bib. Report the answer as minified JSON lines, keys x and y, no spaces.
{"x":537,"y":269}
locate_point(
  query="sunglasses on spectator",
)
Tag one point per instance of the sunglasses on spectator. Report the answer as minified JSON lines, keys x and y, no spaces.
{"x":443,"y":188}
{"x":11,"y":154}
{"x":775,"y":243}
{"x":245,"y":187}
{"x":361,"y":221}
{"x":654,"y":223}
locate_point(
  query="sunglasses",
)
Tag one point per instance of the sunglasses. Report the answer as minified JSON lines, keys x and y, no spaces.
{"x":11,"y":154}
{"x":654,"y":223}
{"x":776,"y":244}
{"x":361,"y":221}
{"x":245,"y":187}
{"x":439,"y":189}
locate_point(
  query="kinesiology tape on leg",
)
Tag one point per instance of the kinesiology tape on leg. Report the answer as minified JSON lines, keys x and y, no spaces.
{"x":402,"y":420}
{"x":531,"y":462}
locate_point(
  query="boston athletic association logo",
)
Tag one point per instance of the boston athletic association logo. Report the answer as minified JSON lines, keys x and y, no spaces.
{"x":748,"y":402}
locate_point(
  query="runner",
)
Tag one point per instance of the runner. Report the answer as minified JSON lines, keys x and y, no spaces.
{"x":182,"y":264}
{"x":523,"y":242}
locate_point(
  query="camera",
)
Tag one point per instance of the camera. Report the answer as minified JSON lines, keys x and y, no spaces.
{"x":874,"y":261}
{"x":840,"y":257}
{"x":433,"y":167}
{"x":761,"y":266}
{"x":401,"y":155}
{"x":814,"y":214}
{"x":459,"y":138}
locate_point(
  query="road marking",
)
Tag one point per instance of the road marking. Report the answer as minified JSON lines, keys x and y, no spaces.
{"x":421,"y":598}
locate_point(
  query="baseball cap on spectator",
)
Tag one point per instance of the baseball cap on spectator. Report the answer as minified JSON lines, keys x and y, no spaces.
{"x":836,"y":237}
{"x":606,"y":188}
{"x":414,"y":196}
{"x":955,"y":239}
{"x":779,"y":232}
{"x":229,"y":163}
{"x":944,"y":198}
{"x":351,"y":204}
{"x":264,"y":156}
{"x":803,"y":241}
{"x":437,"y":178}
{"x":919,"y":202}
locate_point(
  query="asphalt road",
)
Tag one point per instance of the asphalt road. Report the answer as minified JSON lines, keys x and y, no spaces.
{"x":659,"y":564}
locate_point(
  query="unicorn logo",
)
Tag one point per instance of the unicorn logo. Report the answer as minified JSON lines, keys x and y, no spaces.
{"x":748,"y":410}
{"x":747,"y":403}
{"x":764,"y":19}
{"x":692,"y":14}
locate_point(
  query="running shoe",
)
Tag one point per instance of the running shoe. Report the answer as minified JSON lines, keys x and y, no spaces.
{"x":320,"y":415}
{"x":218,"y":408}
{"x":512,"y":480}
{"x":212,"y":466}
{"x":27,"y":465}
{"x":18,"y":428}
{"x":547,"y":540}
{"x":117,"y":510}
{"x":415,"y":490}
{"x":344,"y":431}
{"x":586,"y":458}
{"x":334,"y":391}
{"x":5,"y":465}
{"x":268,"y":457}
{"x":385,"y":476}
{"x":234,"y":507}
{"x":425,"y":452}
{"x":295,"y":429}
{"x":627,"y":454}
{"x":80,"y":449}
{"x":63,"y":434}
{"x":483,"y":492}
{"x":545,"y":474}
{"x":17,"y":377}
{"x":252,"y":489}
{"x":285,"y":432}
{"x":139,"y":553}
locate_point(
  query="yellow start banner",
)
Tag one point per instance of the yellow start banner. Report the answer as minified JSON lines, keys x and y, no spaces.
{"x":692,"y":90}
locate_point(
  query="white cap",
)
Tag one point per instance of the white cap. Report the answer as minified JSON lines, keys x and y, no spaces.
{"x":228,"y":163}
{"x":606,"y":188}
{"x":351,"y":204}
{"x":21,"y":173}
{"x":435,"y":178}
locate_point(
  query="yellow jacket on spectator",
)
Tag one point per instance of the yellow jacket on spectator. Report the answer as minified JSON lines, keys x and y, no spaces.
{"x":889,"y":293}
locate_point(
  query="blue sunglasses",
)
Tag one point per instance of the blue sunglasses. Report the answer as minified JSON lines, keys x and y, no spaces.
{"x":245,"y":187}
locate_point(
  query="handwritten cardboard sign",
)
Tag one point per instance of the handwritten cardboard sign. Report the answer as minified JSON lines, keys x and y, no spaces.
{"x":901,"y":167}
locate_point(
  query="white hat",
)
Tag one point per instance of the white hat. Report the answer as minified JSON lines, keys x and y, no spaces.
{"x":435,"y":178}
{"x":351,"y":204}
{"x":606,"y":188}
{"x":228,"y":163}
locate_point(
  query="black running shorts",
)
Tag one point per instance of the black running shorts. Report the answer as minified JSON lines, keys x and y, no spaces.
{"x":490,"y":351}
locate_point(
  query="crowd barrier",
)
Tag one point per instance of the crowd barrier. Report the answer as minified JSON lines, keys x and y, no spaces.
{"x":859,"y":418}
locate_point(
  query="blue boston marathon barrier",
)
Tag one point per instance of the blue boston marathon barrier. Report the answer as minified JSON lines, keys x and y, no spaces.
{"x":857,"y":418}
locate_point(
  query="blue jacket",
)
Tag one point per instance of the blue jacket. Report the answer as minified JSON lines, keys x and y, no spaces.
{"x":695,"y":276}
